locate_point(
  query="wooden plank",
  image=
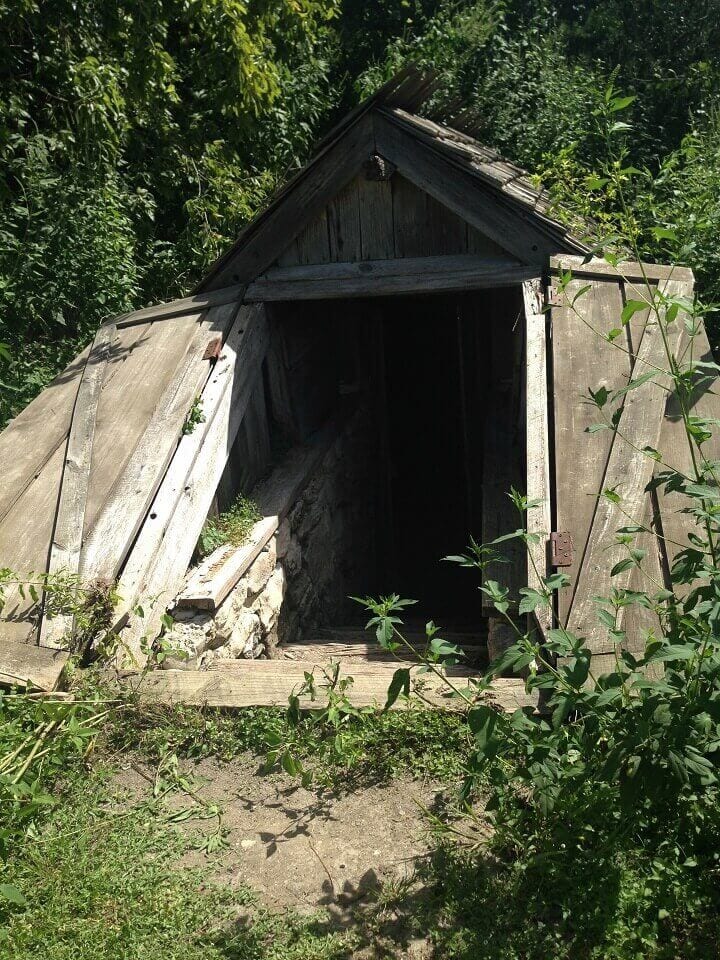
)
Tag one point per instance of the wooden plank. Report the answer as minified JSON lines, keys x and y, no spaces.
{"x":343,"y":219}
{"x":265,"y":683}
{"x":377,"y":240}
{"x":463,"y":194}
{"x":168,"y":567}
{"x":502,"y":450}
{"x":394,"y":267}
{"x":362,"y":652}
{"x":225,"y":399}
{"x":537,"y":441}
{"x":625,"y":270}
{"x":674,"y":443}
{"x":176,"y":308}
{"x":628,"y":472}
{"x":31,"y":440}
{"x":136,"y":391}
{"x":308,"y":195}
{"x":376,"y":283}
{"x":582,"y":359}
{"x":210,"y":583}
{"x":67,"y":533}
{"x":124,"y":509}
{"x":26,"y":665}
{"x":311,"y":245}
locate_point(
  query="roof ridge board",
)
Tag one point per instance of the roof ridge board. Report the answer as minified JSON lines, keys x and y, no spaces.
{"x":449,"y":148}
{"x":479,"y":165}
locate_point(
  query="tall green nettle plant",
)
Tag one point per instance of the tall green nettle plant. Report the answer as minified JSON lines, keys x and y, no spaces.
{"x":633,"y":753}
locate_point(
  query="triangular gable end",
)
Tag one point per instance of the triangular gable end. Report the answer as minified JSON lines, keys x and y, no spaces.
{"x":489,"y":196}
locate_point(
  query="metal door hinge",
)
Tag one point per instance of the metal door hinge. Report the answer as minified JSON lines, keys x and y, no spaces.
{"x":562,"y":553}
{"x":213,"y":349}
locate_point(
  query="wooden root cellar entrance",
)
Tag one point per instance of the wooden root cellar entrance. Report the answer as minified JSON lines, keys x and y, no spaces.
{"x":401,"y":336}
{"x":387,"y":430}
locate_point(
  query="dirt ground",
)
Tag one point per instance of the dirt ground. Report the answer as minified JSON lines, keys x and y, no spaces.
{"x":312,"y":850}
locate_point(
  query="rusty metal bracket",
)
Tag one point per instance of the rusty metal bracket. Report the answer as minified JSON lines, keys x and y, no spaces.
{"x":213,"y":349}
{"x":562,"y":551}
{"x":555,"y":298}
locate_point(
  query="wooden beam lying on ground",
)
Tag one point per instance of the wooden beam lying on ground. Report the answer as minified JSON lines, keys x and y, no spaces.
{"x":379,"y":278}
{"x":269,"y":683}
{"x":27,"y":665}
{"x":213,"y":579}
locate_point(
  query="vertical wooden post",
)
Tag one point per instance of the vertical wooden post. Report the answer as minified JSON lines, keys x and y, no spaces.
{"x":537,"y":440}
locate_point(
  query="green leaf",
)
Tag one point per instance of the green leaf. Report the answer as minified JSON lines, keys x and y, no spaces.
{"x":531,"y":599}
{"x":673,"y":652}
{"x":400,"y":683}
{"x":620,"y":103}
{"x":631,"y":308}
{"x":11,"y":894}
{"x":622,"y":565}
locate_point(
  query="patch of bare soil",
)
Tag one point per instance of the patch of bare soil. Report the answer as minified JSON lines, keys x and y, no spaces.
{"x":347,"y":854}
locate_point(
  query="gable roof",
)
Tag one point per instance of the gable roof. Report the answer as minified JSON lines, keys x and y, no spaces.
{"x":386,"y":123}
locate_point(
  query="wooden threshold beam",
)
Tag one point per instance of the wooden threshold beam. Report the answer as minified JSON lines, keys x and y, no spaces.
{"x":248,"y":683}
{"x":378,"y":278}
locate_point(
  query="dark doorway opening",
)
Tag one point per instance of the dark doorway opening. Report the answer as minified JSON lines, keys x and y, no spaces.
{"x":441,"y":382}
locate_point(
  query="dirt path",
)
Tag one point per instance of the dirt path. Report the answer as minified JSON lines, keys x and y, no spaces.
{"x":310,"y":850}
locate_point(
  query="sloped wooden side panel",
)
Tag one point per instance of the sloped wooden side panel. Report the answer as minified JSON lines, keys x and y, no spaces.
{"x":601,"y":475}
{"x":379,"y":220}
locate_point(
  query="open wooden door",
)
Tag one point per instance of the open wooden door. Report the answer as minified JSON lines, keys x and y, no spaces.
{"x":599,"y":475}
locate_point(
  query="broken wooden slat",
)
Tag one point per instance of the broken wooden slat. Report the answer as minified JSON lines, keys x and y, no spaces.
{"x":67,"y":534}
{"x":385,"y":278}
{"x":210,"y":583}
{"x":537,"y":440}
{"x":125,"y":507}
{"x":248,"y":683}
{"x":162,"y":551}
{"x":27,"y":665}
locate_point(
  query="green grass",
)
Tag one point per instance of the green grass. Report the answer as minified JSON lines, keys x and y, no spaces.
{"x":102,"y":883}
{"x":102,"y":877}
{"x":369,"y":749}
{"x":231,"y":526}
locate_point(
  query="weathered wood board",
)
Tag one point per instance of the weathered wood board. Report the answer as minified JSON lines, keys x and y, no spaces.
{"x":269,"y":683}
{"x":589,"y":462}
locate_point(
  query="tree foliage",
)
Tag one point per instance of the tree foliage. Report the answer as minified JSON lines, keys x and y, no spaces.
{"x":137,"y":139}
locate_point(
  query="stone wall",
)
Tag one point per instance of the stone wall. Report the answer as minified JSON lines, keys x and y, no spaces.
{"x":323,"y":550}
